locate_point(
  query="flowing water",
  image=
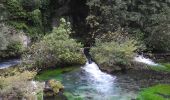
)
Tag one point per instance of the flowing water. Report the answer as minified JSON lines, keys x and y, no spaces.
{"x":142,"y":59}
{"x":9,"y":63}
{"x":89,"y":83}
{"x":92,"y":84}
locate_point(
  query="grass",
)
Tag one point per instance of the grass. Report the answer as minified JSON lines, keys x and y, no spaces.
{"x":54,"y":73}
{"x":158,"y":92}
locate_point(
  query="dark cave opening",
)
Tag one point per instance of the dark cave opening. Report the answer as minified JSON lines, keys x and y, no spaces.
{"x":74,"y":11}
{"x":78,"y":12}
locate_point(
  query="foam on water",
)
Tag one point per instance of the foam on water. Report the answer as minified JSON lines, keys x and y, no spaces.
{"x":142,"y":59}
{"x":102,"y":81}
{"x":96,"y":73}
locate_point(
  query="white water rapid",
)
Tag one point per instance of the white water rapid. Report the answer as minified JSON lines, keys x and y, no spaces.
{"x":9,"y":63}
{"x":142,"y":59}
{"x":101,"y":81}
{"x":96,"y":73}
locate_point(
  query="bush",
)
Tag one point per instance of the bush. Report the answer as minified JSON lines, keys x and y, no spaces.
{"x":11,"y":42}
{"x":159,"y":39}
{"x":3,"y":41}
{"x":19,"y":86}
{"x":114,"y":52}
{"x":56,"y":48}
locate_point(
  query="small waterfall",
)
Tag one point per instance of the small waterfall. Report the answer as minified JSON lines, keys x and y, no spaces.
{"x":96,"y":73}
{"x":9,"y":63}
{"x":142,"y":59}
{"x":103,"y":82}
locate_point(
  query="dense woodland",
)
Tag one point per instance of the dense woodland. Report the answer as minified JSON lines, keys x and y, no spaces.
{"x":50,"y":34}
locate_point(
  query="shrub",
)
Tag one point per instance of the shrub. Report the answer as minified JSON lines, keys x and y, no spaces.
{"x":11,"y":42}
{"x":55,"y":85}
{"x":56,"y":48}
{"x":114,"y":51}
{"x":3,"y":41}
{"x":19,"y":86}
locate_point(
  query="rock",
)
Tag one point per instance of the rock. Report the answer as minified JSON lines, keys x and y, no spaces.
{"x":54,"y":90}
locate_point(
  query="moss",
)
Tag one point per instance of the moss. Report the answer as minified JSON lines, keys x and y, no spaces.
{"x":54,"y":73}
{"x":72,"y":97}
{"x":56,"y":86}
{"x":158,"y":92}
{"x":162,"y":67}
{"x":167,"y":65}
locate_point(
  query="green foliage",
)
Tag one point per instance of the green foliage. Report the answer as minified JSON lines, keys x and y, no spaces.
{"x":158,"y":92}
{"x":56,"y":48}
{"x":15,"y":47}
{"x":114,"y":50}
{"x":158,"y":39}
{"x":15,"y":9}
{"x":3,"y":11}
{"x":147,"y":20}
{"x":30,"y":5}
{"x":113,"y":53}
{"x":25,"y":15}
{"x":11,"y":43}
{"x":19,"y":85}
{"x":35,"y":16}
{"x":3,"y":41}
{"x":55,"y":85}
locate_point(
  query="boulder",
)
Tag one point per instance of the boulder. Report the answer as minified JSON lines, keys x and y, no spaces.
{"x":54,"y":90}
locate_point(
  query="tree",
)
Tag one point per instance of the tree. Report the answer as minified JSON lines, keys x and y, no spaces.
{"x":56,"y":48}
{"x":141,"y":18}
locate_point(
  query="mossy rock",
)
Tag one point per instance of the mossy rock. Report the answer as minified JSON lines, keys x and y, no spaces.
{"x":54,"y":90}
{"x":158,"y":92}
{"x":56,"y":86}
{"x":53,"y":87}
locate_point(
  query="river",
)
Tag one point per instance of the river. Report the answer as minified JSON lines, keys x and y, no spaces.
{"x":88,"y":82}
{"x":9,"y":63}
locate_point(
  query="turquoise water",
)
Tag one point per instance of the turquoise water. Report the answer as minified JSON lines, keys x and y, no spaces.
{"x":89,"y":83}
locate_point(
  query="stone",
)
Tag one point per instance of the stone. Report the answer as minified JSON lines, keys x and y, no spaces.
{"x":54,"y":90}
